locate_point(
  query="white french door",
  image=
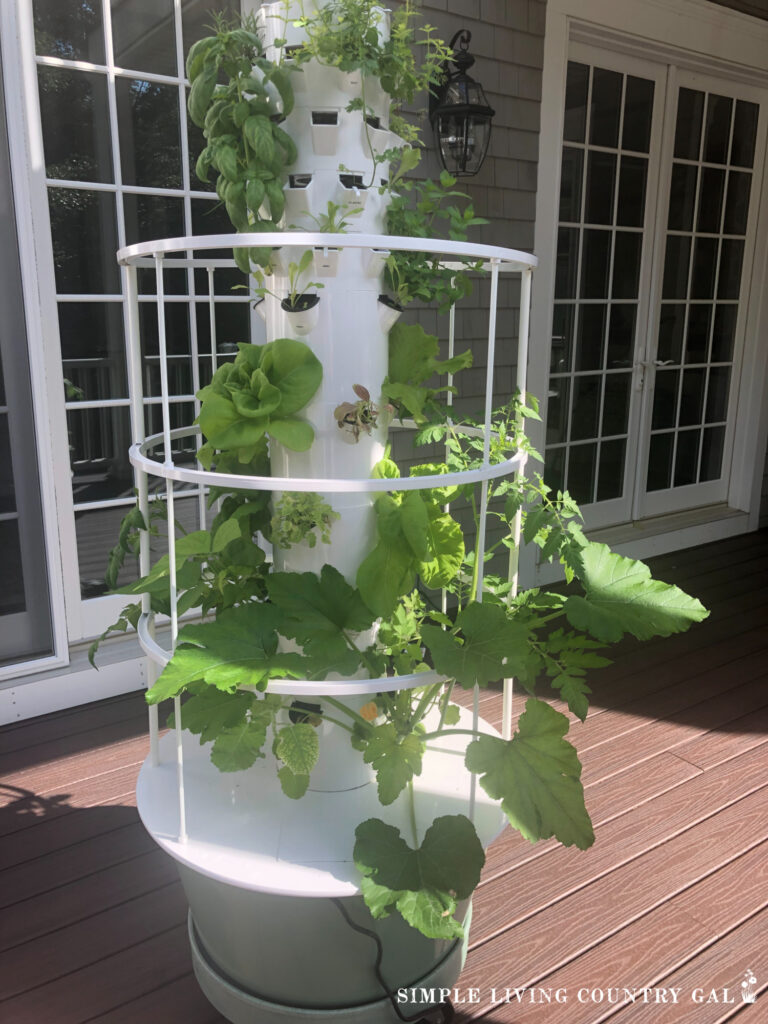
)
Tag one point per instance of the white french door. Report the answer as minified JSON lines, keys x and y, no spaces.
{"x":659,"y":184}
{"x":706,"y":229}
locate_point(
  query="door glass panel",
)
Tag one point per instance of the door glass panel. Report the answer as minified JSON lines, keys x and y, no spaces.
{"x":69,"y":29}
{"x":73,"y":108}
{"x":717,"y":135}
{"x":602,"y":214}
{"x":638,"y":110}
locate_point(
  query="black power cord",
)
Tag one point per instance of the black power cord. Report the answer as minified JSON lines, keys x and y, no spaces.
{"x":446,"y":1010}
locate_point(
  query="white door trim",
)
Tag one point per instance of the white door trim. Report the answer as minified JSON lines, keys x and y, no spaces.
{"x":660,"y":30}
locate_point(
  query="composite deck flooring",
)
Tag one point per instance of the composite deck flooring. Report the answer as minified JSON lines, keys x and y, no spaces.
{"x":672,"y":897}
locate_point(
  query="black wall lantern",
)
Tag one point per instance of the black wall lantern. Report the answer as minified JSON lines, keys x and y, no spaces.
{"x":459,"y":112}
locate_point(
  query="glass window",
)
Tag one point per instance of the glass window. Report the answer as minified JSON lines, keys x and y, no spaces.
{"x":73,"y":109}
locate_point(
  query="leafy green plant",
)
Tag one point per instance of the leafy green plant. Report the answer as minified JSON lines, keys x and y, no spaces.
{"x":428,"y":209}
{"x":302,"y":516}
{"x":295,"y":300}
{"x":335,"y":219}
{"x":413,"y":363}
{"x":240,"y":122}
{"x":358,"y":417}
{"x":257,"y":395}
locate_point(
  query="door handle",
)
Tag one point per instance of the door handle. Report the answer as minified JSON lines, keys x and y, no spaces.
{"x":643,"y":367}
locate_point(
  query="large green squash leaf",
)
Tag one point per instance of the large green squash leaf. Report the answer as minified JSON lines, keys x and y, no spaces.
{"x":239,"y":648}
{"x":492,"y":645}
{"x":536,"y":775}
{"x":317,"y":612}
{"x":396,"y":760}
{"x":622,"y":597}
{"x":422,"y":884}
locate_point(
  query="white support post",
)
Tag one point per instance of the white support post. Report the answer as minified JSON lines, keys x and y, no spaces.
{"x":522,"y":382}
{"x":171,"y":527}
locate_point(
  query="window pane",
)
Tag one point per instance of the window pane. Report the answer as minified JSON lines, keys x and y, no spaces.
{"x":567,"y":261}
{"x":616,"y":403}
{"x":724,"y":332}
{"x":143,"y":35}
{"x":737,"y":203}
{"x":557,"y":410}
{"x":744,"y":134}
{"x":671,"y":326}
{"x":562,"y":338}
{"x":176,"y":328}
{"x":601,"y":180}
{"x":621,"y":336}
{"x":660,"y":462}
{"x":697,"y":341}
{"x":610,"y":479}
{"x":630,"y":212}
{"x":554,"y":469}
{"x":12,"y":598}
{"x":73,"y":113}
{"x":70,"y":29}
{"x":570,"y":184}
{"x":665,"y":399}
{"x":232,"y":325}
{"x":704,"y":263}
{"x":605,"y":107}
{"x":686,"y":457}
{"x":712,"y":443}
{"x":718,"y":129}
{"x":626,"y":265}
{"x":690,"y":108}
{"x":98,"y":449}
{"x":692,"y":396}
{"x":595,"y":263}
{"x":711,"y":199}
{"x":92,"y":348}
{"x":84,"y":230}
{"x":148,"y":120}
{"x":586,"y":407}
{"x":682,"y":196}
{"x":731,"y":256}
{"x":717,"y":394}
{"x":150,"y":217}
{"x":581,"y":472}
{"x":591,"y":340}
{"x":575,"y":120}
{"x":676,"y":267}
{"x":638,"y":110}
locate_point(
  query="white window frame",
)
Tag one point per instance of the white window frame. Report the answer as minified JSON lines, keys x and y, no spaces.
{"x":680,"y":33}
{"x":77,"y":619}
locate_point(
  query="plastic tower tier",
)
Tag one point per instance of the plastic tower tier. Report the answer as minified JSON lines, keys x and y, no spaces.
{"x":242,"y":830}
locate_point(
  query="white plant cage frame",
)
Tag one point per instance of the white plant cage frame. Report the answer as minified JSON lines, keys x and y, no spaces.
{"x":172,"y":809}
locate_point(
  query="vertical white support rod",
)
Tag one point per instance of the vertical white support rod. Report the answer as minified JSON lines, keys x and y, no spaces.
{"x":473,"y":775}
{"x":168,"y":461}
{"x":138,"y":433}
{"x":212,"y":321}
{"x":488,"y":418}
{"x":449,"y":403}
{"x":522,"y":384}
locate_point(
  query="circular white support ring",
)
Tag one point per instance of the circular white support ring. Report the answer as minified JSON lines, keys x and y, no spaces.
{"x":307,"y":687}
{"x":513,"y":259}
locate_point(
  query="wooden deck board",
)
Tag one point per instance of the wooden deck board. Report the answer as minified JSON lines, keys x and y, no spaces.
{"x":673,"y":894}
